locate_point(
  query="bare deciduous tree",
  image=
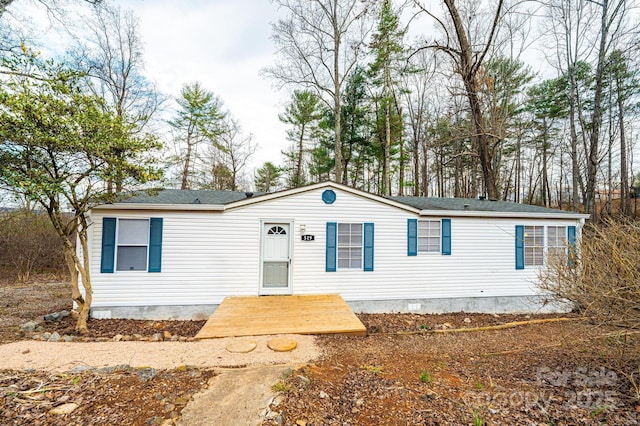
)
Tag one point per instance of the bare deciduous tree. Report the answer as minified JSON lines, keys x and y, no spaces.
{"x":319,"y":43}
{"x":468,"y":51}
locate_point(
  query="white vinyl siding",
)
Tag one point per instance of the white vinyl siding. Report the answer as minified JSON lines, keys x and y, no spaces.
{"x":429,"y":236}
{"x":207,"y":256}
{"x":349,"y":246}
{"x":132,"y":244}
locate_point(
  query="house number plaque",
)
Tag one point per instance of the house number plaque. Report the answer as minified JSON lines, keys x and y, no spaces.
{"x":308,"y":237}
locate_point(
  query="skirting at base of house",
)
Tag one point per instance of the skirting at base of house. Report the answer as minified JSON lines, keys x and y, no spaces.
{"x":488,"y":305}
{"x":498,"y":305}
{"x":171,"y":312}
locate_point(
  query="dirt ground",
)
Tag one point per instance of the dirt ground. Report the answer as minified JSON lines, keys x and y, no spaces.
{"x":561,"y":373}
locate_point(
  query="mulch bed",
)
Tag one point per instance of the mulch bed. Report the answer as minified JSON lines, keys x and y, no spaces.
{"x":121,"y":397}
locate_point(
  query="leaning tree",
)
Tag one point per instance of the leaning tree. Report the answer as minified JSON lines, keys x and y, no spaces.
{"x":59,"y":146}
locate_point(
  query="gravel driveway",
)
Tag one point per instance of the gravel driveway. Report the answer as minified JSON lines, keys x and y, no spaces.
{"x":61,"y":356}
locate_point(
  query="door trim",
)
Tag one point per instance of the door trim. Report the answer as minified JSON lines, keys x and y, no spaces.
{"x":270,"y":291}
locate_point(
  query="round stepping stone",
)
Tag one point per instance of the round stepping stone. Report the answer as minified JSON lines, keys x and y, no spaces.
{"x":242,"y":346}
{"x":282,"y":344}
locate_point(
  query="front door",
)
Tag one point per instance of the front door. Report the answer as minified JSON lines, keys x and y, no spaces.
{"x":276,"y":259}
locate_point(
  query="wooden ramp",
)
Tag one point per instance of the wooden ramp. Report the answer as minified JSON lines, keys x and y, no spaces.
{"x":259,"y":315}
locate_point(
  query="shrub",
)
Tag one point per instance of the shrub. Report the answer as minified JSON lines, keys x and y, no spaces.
{"x":29,"y":244}
{"x":603,"y":280}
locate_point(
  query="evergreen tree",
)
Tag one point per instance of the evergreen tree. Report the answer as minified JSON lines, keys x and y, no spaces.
{"x":302,"y":114}
{"x":388,"y":51}
{"x":267,"y":178}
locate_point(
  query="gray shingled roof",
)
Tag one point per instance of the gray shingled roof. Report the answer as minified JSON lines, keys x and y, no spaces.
{"x":193,"y":196}
{"x":471,"y":204}
{"x":187,"y":196}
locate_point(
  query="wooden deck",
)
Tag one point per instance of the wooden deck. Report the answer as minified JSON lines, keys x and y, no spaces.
{"x":260,"y":315}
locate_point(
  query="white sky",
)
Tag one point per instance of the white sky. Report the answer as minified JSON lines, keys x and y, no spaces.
{"x":223,"y":44}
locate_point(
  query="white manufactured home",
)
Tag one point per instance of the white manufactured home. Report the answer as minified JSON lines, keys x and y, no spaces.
{"x":178,"y":254}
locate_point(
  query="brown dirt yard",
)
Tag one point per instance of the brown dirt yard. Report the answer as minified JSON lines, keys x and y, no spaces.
{"x":559,"y":373}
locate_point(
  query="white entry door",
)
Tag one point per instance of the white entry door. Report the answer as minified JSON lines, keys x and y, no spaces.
{"x":276,"y":259}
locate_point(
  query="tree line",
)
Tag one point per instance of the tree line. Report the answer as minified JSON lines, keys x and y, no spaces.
{"x":458,"y":111}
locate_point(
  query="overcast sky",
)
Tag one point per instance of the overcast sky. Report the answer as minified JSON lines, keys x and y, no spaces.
{"x":223,"y":44}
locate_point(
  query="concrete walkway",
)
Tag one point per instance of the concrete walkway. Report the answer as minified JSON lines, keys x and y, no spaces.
{"x":235,"y":397}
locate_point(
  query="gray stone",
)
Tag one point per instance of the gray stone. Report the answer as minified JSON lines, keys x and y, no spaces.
{"x":64,"y":408}
{"x":68,"y":338}
{"x":158,"y":337}
{"x":81,"y":368}
{"x":57,"y":316}
{"x":54,"y":337}
{"x":29,"y":326}
{"x":303,"y":379}
{"x":277,"y":400}
{"x":271,"y":415}
{"x":117,"y":337}
{"x":46,"y":336}
{"x":323,"y":395}
{"x":146,"y":373}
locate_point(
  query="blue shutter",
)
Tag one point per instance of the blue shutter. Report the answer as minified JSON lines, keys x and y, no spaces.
{"x":108,"y":244}
{"x":571,"y":241}
{"x":155,"y":244}
{"x":331,"y":247}
{"x":446,"y":237}
{"x":412,"y":237}
{"x":519,"y":247}
{"x":368,"y":247}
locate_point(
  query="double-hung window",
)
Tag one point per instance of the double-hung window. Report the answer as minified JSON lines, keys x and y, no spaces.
{"x":539,"y":245}
{"x":132,"y":244}
{"x":556,"y":243}
{"x":350,"y":246}
{"x":429,"y":235}
{"x":533,"y":245}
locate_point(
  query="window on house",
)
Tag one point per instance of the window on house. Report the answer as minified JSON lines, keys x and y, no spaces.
{"x":132,"y":244}
{"x":533,"y":245}
{"x":350,"y":246}
{"x":429,"y":236}
{"x":556,"y":242}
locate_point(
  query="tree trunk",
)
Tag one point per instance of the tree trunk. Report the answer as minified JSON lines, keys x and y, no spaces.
{"x":468,"y":67}
{"x":76,"y":267}
{"x":545,"y":174}
{"x":298,"y":181}
{"x":596,"y":120}
{"x":625,"y":200}
{"x":187,"y":166}
{"x":337,"y":91}
{"x":416,"y":164}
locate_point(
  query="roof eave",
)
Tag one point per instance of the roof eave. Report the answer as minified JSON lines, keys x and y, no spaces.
{"x":522,"y":215}
{"x":327,"y":184}
{"x":150,"y":206}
